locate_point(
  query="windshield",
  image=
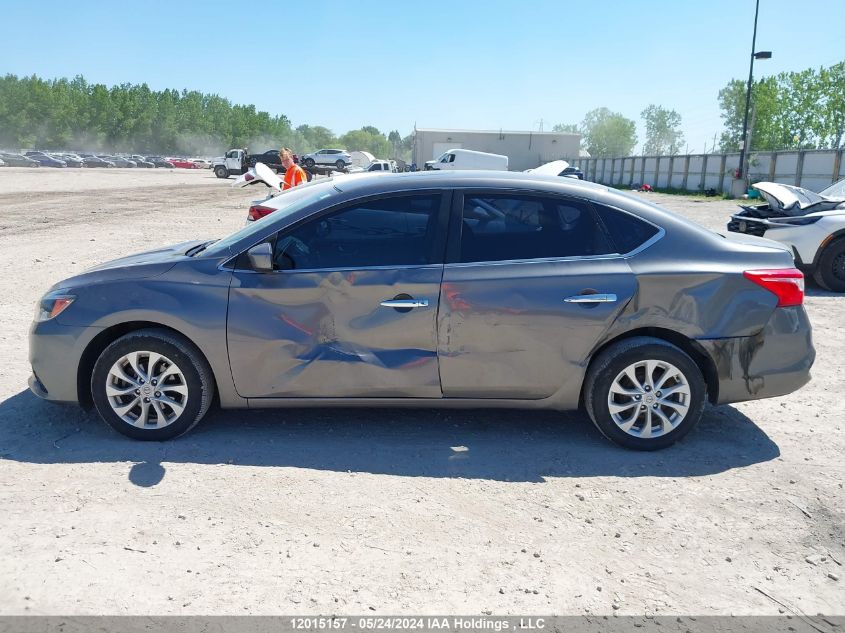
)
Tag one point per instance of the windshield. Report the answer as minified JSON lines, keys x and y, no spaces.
{"x":836,"y":190}
{"x":286,"y":203}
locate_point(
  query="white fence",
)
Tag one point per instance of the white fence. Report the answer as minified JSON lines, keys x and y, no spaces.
{"x":812,"y":169}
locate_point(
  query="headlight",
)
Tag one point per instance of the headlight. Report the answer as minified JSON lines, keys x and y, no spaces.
{"x":52,"y":305}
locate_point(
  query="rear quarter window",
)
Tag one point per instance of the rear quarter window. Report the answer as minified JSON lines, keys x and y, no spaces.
{"x":626,"y":231}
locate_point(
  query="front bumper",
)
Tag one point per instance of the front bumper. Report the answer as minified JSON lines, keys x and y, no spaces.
{"x":55,"y":352}
{"x":774,"y":362}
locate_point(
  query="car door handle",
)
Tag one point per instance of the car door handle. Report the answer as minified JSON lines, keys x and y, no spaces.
{"x":405,"y":303}
{"x":597,"y":298}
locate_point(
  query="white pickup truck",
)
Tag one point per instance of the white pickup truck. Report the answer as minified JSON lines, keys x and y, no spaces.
{"x":234,"y":163}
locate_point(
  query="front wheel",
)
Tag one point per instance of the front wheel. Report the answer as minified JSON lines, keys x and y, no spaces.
{"x":830,"y":272}
{"x":644,"y":393}
{"x":309,"y":163}
{"x":152,"y":384}
{"x":221,"y":172}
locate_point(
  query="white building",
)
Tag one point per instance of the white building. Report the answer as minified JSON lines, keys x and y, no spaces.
{"x":525,"y":150}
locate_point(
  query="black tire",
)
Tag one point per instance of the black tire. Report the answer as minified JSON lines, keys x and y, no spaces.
{"x":309,"y":163}
{"x":340,"y":165}
{"x":199,"y":381}
{"x":611,"y":362}
{"x":830,"y":272}
{"x":221,"y":172}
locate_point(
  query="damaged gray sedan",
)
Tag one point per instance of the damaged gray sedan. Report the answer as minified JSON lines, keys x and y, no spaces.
{"x":473,"y":289}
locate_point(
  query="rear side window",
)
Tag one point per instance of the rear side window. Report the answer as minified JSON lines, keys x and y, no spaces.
{"x":502,"y":228}
{"x":626,"y":231}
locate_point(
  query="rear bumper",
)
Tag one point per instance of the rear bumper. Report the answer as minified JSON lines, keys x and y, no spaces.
{"x":774,"y":362}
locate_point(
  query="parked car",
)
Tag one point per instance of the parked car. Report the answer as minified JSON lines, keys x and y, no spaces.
{"x":72,"y":160}
{"x":96,"y":161}
{"x":45,"y":160}
{"x":140,"y":161}
{"x":811,"y":225}
{"x":18,"y":160}
{"x":118,"y":161}
{"x":158,"y":161}
{"x":474,"y":289}
{"x":201,"y":163}
{"x":340,"y":158}
{"x":572,"y":172}
{"x":182,"y":163}
{"x":270,"y":158}
{"x":557,"y":168}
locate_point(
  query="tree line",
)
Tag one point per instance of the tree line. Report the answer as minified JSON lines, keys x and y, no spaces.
{"x":73,"y":114}
{"x":791,"y":110}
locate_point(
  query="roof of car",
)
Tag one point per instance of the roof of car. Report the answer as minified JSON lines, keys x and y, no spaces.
{"x":461,"y":178}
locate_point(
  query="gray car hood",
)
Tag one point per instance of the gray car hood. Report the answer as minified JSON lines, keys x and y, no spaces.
{"x":795,"y":201}
{"x":139,"y":266}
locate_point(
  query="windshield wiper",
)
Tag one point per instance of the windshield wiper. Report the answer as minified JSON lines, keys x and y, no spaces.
{"x":199,"y":248}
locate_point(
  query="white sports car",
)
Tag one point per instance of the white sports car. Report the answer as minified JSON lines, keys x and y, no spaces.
{"x":811,"y":224}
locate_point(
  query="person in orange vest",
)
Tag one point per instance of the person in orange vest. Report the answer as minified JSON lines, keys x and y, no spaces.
{"x":294,"y":174}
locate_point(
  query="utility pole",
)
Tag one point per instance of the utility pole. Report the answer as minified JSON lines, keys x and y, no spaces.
{"x":760,"y":55}
{"x":750,"y":134}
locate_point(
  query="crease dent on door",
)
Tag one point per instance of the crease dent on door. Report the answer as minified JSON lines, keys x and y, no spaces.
{"x":326,"y":334}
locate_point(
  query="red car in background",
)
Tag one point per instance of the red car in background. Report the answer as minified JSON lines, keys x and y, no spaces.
{"x":184,"y":163}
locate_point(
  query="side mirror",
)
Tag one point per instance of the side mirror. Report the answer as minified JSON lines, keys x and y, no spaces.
{"x":261,"y":257}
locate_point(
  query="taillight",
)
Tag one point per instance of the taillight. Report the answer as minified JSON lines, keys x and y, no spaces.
{"x":257,"y":211}
{"x":787,"y":284}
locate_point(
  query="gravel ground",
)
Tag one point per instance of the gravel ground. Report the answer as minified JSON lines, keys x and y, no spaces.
{"x":390,"y":511}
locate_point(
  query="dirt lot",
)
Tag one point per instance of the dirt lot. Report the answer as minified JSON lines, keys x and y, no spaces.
{"x":390,"y":511}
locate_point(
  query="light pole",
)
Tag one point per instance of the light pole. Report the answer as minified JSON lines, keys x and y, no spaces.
{"x":760,"y":55}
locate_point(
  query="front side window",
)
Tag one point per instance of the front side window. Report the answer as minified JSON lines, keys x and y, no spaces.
{"x":396,"y":231}
{"x":509,"y":227}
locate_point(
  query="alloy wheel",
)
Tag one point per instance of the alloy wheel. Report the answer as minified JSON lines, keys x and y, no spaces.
{"x":649,"y":398}
{"x":146,"y":390}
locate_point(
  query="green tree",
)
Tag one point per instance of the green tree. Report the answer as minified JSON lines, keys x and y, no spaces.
{"x":315,"y":137}
{"x":608,"y":133}
{"x":570,"y":128}
{"x":395,"y":140}
{"x":794,"y":110}
{"x":662,"y":128}
{"x":832,"y":106}
{"x":367,"y":139}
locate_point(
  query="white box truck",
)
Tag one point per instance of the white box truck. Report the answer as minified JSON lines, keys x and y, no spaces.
{"x":468,"y":159}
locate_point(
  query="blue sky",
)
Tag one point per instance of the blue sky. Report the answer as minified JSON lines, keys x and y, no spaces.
{"x":455,"y":64}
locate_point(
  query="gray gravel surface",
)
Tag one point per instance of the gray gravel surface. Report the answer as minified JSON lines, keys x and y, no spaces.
{"x":389,"y":511}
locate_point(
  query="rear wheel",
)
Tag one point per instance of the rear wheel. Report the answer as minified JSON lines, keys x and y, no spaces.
{"x":644,"y":393}
{"x":340,"y":165}
{"x":830,"y":272}
{"x":221,"y":172}
{"x":152,"y":385}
